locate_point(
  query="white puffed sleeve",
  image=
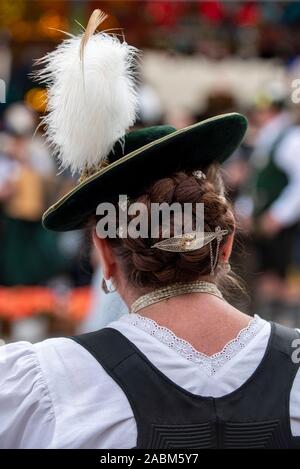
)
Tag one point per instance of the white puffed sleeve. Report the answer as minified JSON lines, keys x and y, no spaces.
{"x":26,"y":415}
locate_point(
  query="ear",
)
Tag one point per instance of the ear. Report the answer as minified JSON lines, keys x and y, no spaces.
{"x":225,"y":251}
{"x":106,"y":256}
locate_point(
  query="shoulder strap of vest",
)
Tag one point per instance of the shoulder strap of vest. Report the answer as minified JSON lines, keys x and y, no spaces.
{"x":108,"y":346}
{"x":141,"y":381}
{"x":283,"y":338}
{"x":279,"y":363}
{"x":126,"y":364}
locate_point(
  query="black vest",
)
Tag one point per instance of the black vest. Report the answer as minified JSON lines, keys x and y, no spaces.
{"x":256,"y":415}
{"x":270,"y":180}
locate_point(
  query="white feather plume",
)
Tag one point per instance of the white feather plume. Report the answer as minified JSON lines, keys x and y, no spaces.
{"x":91,"y":102}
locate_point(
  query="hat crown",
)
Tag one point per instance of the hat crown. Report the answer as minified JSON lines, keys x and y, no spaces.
{"x":138,"y":138}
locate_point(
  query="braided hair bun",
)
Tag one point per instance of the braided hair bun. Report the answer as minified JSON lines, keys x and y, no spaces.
{"x":146,"y":267}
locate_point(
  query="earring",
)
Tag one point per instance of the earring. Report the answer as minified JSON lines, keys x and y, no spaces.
{"x":108,"y":289}
{"x":226,"y":266}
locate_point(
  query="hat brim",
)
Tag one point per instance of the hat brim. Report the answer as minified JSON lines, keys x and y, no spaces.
{"x":194,"y":147}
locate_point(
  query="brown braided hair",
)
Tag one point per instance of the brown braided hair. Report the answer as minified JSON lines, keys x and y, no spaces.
{"x":145,"y":267}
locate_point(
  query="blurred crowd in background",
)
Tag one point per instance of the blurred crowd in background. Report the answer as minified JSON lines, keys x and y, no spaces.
{"x":227,"y":56}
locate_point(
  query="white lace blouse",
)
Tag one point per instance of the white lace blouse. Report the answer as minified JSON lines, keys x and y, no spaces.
{"x":54,"y":394}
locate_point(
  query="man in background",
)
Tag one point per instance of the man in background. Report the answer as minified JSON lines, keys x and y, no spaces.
{"x":276,"y":199}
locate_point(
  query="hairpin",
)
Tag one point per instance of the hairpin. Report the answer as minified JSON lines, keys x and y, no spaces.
{"x":190,"y":241}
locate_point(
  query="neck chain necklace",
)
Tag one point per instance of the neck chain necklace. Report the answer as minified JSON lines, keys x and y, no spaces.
{"x":176,"y":289}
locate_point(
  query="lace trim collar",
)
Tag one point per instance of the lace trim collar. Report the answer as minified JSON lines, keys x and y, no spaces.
{"x":209,"y":364}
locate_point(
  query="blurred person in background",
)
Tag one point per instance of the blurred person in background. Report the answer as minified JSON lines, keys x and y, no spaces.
{"x":8,"y":169}
{"x":276,"y":200}
{"x":220,"y":99}
{"x":29,"y":255}
{"x":235,"y":171}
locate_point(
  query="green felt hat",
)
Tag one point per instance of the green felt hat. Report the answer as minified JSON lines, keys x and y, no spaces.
{"x":147,"y":155}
